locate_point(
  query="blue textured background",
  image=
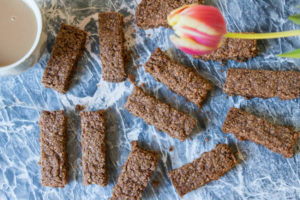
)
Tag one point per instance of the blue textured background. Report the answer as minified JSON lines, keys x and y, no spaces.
{"x":261,"y":174}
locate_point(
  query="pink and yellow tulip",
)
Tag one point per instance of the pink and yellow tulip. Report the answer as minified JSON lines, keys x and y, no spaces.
{"x":200,"y":29}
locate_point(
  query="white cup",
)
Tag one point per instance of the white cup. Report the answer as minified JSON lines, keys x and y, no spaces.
{"x":35,"y":52}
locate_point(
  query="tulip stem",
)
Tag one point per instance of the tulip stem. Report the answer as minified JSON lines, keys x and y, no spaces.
{"x":262,"y":35}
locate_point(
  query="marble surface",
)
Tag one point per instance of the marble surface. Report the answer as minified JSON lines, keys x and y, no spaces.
{"x":260,"y":174}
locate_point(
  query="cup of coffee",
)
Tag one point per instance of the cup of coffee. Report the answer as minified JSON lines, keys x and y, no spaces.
{"x":22,"y":35}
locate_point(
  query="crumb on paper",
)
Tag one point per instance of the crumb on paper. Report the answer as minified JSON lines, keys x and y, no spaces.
{"x":79,"y":107}
{"x":171,"y":148}
{"x":132,"y":79}
{"x":209,"y":114}
{"x":207,"y":139}
{"x":79,"y":69}
{"x":149,"y":35}
{"x":128,"y":53}
{"x":155,"y":183}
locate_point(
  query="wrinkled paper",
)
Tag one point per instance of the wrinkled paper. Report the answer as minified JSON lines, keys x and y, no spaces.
{"x":260,"y":173}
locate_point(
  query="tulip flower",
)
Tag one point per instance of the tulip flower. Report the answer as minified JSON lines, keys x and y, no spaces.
{"x":200,"y":29}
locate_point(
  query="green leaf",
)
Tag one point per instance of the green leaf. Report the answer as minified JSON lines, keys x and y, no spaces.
{"x":295,"y":19}
{"x":291,"y":54}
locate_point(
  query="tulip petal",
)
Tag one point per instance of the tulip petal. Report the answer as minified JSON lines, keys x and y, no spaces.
{"x":189,"y":46}
{"x":196,"y":24}
{"x":200,"y":17}
{"x":199,"y":28}
{"x":202,"y":38}
{"x":174,"y":16}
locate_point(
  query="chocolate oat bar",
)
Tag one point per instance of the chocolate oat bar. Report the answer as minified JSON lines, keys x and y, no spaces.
{"x":161,"y":115}
{"x":245,"y":126}
{"x":135,"y":174}
{"x":262,"y":83}
{"x":210,"y":166}
{"x":93,"y":148}
{"x":111,"y":38}
{"x":154,"y":13}
{"x":182,"y":80}
{"x":233,"y":49}
{"x":53,"y":139}
{"x":68,"y":48}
